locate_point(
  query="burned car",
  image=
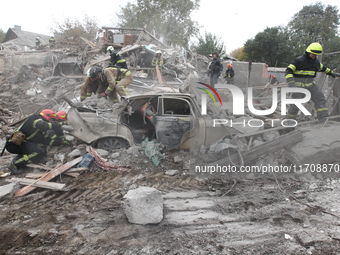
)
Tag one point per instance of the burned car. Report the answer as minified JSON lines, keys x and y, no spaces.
{"x":174,"y":119}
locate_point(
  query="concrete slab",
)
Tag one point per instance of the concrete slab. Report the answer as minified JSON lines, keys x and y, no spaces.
{"x":319,"y":146}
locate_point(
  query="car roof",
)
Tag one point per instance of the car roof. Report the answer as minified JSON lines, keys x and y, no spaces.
{"x":160,"y":94}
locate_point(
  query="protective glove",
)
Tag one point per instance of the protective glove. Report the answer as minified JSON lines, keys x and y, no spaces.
{"x":65,"y":142}
{"x":103,"y":95}
{"x":335,"y":74}
{"x":50,"y":133}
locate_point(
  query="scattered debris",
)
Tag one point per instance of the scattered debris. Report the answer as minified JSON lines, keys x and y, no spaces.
{"x":104,"y":164}
{"x":151,"y":150}
{"x":171,"y":172}
{"x":48,"y":176}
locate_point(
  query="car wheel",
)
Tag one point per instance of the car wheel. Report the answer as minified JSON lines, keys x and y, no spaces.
{"x":112,"y":143}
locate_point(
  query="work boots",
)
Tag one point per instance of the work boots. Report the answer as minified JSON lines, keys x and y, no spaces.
{"x":324,"y":119}
{"x":13,"y":168}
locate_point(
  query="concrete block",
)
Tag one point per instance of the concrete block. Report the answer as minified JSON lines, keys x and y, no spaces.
{"x":102,"y":153}
{"x":115,"y":155}
{"x":178,"y":159}
{"x":319,"y":146}
{"x":69,"y":138}
{"x":133,"y":150}
{"x":8,"y":190}
{"x":75,"y":153}
{"x":171,"y":172}
{"x":143,"y":206}
{"x":309,"y":237}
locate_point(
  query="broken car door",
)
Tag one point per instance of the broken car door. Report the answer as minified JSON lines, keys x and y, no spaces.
{"x":174,"y":120}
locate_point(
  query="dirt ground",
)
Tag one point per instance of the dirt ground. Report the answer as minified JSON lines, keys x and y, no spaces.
{"x":218,"y":215}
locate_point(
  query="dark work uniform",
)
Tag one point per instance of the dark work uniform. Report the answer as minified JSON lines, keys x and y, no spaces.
{"x":51,"y":41}
{"x":229,"y":75}
{"x":117,"y":60}
{"x":301,"y":73}
{"x":273,"y":81}
{"x":33,"y":147}
{"x":215,"y":70}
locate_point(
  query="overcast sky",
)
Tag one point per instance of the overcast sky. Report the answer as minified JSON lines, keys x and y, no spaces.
{"x":234,"y":21}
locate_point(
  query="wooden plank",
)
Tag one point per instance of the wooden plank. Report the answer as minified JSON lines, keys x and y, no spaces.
{"x":38,"y":175}
{"x":73,"y":172}
{"x":49,"y":176}
{"x":39,"y":184}
{"x":155,"y":38}
{"x":258,"y":151}
{"x":76,"y":169}
{"x":87,"y":42}
{"x":34,"y":175}
{"x":262,"y":131}
{"x":43,"y":167}
{"x":159,"y":76}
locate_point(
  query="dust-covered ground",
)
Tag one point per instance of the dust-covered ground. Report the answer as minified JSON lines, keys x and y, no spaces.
{"x":202,"y":215}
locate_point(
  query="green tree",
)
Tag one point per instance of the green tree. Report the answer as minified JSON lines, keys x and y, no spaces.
{"x":269,"y":46}
{"x":208,"y":44}
{"x":2,"y":35}
{"x":239,"y":54}
{"x":332,"y":60}
{"x":316,"y":23}
{"x":313,"y":23}
{"x":72,"y":29}
{"x":167,"y":18}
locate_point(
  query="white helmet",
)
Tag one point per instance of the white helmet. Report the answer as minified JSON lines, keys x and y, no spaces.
{"x":158,"y":52}
{"x":110,"y":48}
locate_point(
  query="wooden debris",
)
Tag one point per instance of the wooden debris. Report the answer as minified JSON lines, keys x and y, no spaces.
{"x":73,"y":172}
{"x":263,"y":149}
{"x":76,"y":170}
{"x":49,"y":176}
{"x":39,"y":184}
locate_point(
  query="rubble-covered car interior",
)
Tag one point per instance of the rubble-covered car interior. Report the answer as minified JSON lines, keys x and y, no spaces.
{"x":162,"y":116}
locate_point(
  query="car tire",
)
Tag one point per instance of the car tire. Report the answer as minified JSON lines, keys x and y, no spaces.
{"x":112,"y":143}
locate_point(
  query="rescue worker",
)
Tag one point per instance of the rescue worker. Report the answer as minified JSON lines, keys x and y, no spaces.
{"x":116,"y":59}
{"x":118,"y":79}
{"x":301,"y":73}
{"x":37,"y":42}
{"x":273,"y":80}
{"x":61,"y":119}
{"x":229,"y":74}
{"x":215,"y":69}
{"x":158,"y":61}
{"x":52,"y":41}
{"x":30,"y":140}
{"x":92,"y":84}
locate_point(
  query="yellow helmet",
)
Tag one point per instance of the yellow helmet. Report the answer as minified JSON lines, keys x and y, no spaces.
{"x":314,"y":48}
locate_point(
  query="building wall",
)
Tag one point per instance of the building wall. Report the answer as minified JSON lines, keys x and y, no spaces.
{"x":16,"y":61}
{"x":258,"y":75}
